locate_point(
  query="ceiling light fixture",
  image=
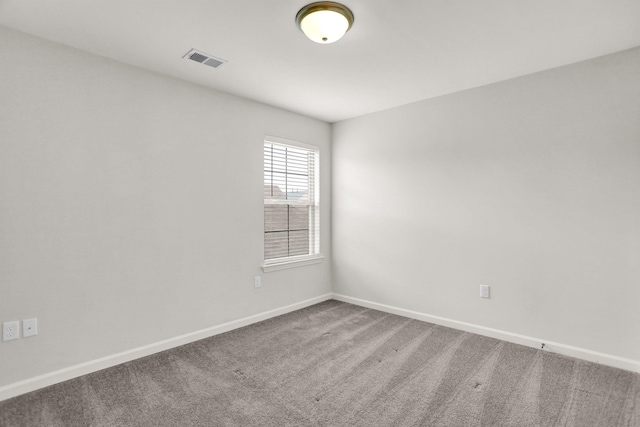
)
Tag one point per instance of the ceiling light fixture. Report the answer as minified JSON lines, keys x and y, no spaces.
{"x":324,"y":21}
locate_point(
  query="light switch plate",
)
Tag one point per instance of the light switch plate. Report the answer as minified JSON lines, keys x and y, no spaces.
{"x":29,"y":327}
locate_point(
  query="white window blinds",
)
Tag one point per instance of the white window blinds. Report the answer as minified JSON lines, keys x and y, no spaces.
{"x":291,"y":209}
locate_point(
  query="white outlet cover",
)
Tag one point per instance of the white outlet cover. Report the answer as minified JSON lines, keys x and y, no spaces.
{"x":257,"y":281}
{"x":29,"y":327}
{"x":484,"y":291}
{"x":11,"y":330}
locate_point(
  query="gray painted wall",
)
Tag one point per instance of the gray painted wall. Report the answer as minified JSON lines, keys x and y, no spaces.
{"x":131,"y":206}
{"x":531,"y":186}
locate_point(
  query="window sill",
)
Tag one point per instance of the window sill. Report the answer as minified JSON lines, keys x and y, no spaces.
{"x":291,"y":263}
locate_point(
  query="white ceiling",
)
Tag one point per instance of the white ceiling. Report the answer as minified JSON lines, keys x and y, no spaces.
{"x":397,"y":52}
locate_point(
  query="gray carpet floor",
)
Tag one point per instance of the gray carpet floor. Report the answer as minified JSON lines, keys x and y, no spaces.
{"x":337,"y":364}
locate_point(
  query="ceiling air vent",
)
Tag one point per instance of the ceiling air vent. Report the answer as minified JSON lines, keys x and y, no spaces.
{"x":204,"y":58}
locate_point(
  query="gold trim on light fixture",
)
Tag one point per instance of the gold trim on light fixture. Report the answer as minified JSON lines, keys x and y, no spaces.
{"x":324,"y":21}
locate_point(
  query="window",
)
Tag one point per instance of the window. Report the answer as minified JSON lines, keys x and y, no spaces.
{"x":291,"y":209}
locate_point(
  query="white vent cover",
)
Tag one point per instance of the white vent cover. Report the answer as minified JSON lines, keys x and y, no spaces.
{"x":204,"y":58}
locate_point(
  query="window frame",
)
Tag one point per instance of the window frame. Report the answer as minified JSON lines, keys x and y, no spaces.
{"x":274,"y":264}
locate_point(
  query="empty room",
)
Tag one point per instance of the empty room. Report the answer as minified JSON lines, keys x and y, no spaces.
{"x":293,"y":213}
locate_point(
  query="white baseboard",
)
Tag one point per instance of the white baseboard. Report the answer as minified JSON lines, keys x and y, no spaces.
{"x":55,"y":377}
{"x":554,"y":347}
{"x":58,"y":376}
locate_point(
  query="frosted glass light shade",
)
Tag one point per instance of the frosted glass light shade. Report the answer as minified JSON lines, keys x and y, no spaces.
{"x":324,"y":26}
{"x":324,"y":22}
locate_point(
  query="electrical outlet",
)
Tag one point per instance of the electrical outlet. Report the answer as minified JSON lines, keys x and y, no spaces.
{"x":484,"y":291}
{"x":11,"y":330}
{"x":257,"y":281}
{"x":29,"y":327}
